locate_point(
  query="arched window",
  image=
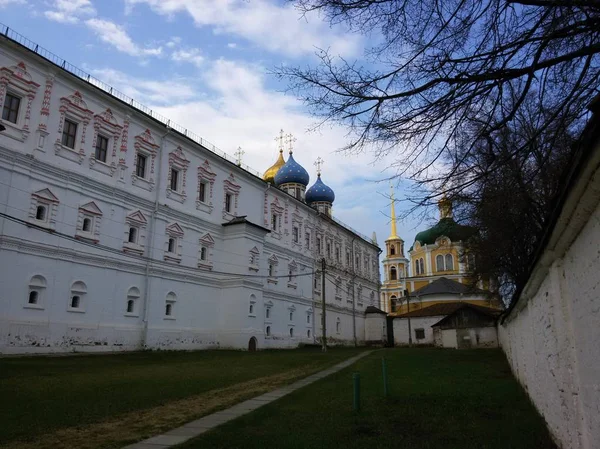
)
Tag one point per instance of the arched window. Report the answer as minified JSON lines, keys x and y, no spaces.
{"x":291,"y":316}
{"x":422,"y":266}
{"x":393,"y":274}
{"x":251,"y":309}
{"x":132,"y":235}
{"x":170,"y":304}
{"x":268,"y":312}
{"x":449,"y":262}
{"x":40,"y":213}
{"x":308,"y":333}
{"x":133,"y":296}
{"x":393,"y":302}
{"x":78,"y":291}
{"x":439,"y":263}
{"x":171,"y":245}
{"x":308,"y":318}
{"x":33,"y":297}
{"x":337,"y":326}
{"x":392,"y":250}
{"x":87,"y":225}
{"x":203,"y":253}
{"x":169,"y":309}
{"x":291,"y":331}
{"x":417,"y":267}
{"x":268,"y":330}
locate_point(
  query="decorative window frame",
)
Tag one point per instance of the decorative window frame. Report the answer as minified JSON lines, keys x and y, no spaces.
{"x":269,"y":307}
{"x":252,"y":306}
{"x":73,"y":108}
{"x":146,"y":146}
{"x":170,"y":299}
{"x":276,"y":209}
{"x":292,"y":274}
{"x":137,"y":220}
{"x":209,"y":243}
{"x":133,"y":294}
{"x":297,"y":221}
{"x":308,"y":230}
{"x":254,"y":259}
{"x":359,"y":300}
{"x":338,"y":288}
{"x":78,"y":288}
{"x":207,"y":176}
{"x":230,"y":187}
{"x":179,"y":162}
{"x":349,"y":292}
{"x":309,"y":317}
{"x":47,"y":199}
{"x":38,"y":284}
{"x":372,"y":297}
{"x":174,"y":231}
{"x":105,"y":124}
{"x":18,"y":81}
{"x":291,"y":310}
{"x":273,"y":260}
{"x":338,"y":326}
{"x":92,"y":211}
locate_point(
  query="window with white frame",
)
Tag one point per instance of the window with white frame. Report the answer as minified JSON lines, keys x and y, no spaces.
{"x":170,"y":301}
{"x":252,"y":306}
{"x":274,"y":222}
{"x":295,"y":234}
{"x":308,"y":333}
{"x":89,"y":218}
{"x":291,"y":332}
{"x":291,"y":316}
{"x":72,"y":129}
{"x":178,"y":165}
{"x":268,"y":311}
{"x":421,"y":266}
{"x":43,"y":209}
{"x":338,"y":288}
{"x":348,"y":258}
{"x":77,"y":297}
{"x":206,"y":181}
{"x":273,"y":262}
{"x":292,"y":269}
{"x":174,"y":243}
{"x":231,"y":197}
{"x":17,"y":91}
{"x":276,"y":218}
{"x":338,"y":253}
{"x":254,"y":259}
{"x":268,"y":331}
{"x":319,"y":249}
{"x":135,"y":233}
{"x":207,"y":244}
{"x":106,"y":137}
{"x":132,"y":302}
{"x":328,"y":249}
{"x":359,"y":299}
{"x":35,"y":294}
{"x":146,"y":150}
{"x":307,"y":239}
{"x":338,"y":326}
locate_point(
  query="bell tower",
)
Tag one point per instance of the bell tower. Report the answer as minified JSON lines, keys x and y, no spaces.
{"x":395,"y":266}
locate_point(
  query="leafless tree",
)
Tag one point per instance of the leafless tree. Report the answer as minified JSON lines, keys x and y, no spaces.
{"x":444,"y":75}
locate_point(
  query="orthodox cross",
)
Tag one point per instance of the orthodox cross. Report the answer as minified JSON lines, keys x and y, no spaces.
{"x":239,"y":153}
{"x":280,"y":138}
{"x":318,"y":163}
{"x":289,"y":139}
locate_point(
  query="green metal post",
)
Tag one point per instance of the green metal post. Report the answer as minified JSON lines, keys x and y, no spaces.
{"x":385,"y":379}
{"x":356,"y":381}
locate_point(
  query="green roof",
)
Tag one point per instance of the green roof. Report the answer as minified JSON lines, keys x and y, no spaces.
{"x":445,"y":227}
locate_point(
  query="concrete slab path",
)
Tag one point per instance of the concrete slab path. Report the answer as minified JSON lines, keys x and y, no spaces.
{"x":206,"y":423}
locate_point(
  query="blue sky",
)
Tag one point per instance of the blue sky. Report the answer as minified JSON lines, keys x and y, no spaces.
{"x":204,"y":64}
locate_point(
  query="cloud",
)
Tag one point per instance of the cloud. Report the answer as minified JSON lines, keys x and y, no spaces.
{"x":191,"y":55}
{"x":115,"y":35}
{"x":231,"y":45}
{"x":69,"y":11}
{"x":277,"y":28}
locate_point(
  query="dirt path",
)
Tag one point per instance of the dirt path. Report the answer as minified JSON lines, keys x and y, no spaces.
{"x":135,"y":426}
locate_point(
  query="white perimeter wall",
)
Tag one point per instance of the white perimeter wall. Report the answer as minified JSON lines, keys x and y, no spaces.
{"x":401,"y":329}
{"x":552,"y":343}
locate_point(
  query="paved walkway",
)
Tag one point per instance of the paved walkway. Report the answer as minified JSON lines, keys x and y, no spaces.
{"x":198,"y":427}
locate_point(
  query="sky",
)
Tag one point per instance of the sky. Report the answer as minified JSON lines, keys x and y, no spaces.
{"x":205,"y":64}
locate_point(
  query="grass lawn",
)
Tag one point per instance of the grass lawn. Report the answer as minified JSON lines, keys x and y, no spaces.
{"x":438,"y":399}
{"x":102,"y":401}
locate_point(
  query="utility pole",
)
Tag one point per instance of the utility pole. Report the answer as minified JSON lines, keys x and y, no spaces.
{"x":323,"y":317}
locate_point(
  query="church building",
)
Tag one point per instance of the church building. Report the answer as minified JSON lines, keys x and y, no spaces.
{"x":120,"y":230}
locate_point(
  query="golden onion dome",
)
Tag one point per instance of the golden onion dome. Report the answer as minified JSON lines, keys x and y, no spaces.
{"x":269,"y":175}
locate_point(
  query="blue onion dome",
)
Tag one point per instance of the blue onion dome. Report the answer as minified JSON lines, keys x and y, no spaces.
{"x":319,"y":192}
{"x":292,"y":171}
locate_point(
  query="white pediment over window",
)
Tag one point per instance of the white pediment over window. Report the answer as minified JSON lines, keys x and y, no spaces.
{"x":175,"y":229}
{"x":269,"y":304}
{"x":292,"y":308}
{"x":293,"y":265}
{"x":137,"y":217}
{"x":91,"y":208}
{"x":47,"y":195}
{"x":207,"y":240}
{"x":255,"y":251}
{"x":273,"y":259}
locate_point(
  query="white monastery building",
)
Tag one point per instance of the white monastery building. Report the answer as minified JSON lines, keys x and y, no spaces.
{"x":122,"y":231}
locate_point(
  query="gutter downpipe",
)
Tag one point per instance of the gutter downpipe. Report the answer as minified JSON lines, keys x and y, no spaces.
{"x":150,"y":240}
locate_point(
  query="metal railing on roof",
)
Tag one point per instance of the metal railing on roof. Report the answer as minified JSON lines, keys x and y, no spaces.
{"x":64,"y":64}
{"x":14,"y":36}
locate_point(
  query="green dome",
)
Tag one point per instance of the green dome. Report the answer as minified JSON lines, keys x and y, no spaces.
{"x":445,"y":227}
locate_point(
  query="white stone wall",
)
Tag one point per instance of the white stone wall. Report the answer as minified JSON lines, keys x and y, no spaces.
{"x":376,"y":327}
{"x":425,"y":323}
{"x":551,"y":339}
{"x":210,"y":299}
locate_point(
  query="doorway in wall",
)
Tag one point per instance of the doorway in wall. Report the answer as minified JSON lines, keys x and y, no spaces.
{"x":252,"y":344}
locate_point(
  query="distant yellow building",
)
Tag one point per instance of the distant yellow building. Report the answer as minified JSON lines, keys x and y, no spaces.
{"x":439,"y":268}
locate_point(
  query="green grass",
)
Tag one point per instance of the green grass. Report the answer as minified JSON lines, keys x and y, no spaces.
{"x":438,"y":399}
{"x":42,"y":394}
